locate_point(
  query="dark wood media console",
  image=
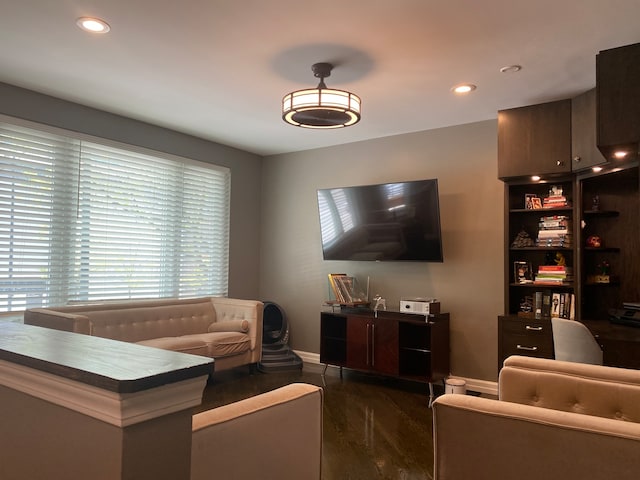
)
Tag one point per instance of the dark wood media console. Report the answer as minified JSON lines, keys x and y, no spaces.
{"x":403,"y":345}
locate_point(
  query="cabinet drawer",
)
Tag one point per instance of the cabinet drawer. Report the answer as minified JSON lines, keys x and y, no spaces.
{"x":534,"y":328}
{"x":528,"y":345}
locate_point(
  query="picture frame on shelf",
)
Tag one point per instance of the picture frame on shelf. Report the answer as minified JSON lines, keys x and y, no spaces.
{"x":528,"y":200}
{"x":537,"y":203}
{"x":522,"y":272}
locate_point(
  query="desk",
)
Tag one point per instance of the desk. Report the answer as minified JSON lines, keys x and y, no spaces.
{"x":620,"y":343}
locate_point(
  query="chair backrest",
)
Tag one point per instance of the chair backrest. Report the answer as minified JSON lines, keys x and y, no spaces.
{"x":573,"y":342}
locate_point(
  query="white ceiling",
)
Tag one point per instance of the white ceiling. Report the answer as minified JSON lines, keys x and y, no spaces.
{"x":218,"y":69}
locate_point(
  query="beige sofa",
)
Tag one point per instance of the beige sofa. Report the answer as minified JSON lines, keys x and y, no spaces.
{"x":275,"y":435}
{"x":554,"y":420}
{"x":226,"y":329}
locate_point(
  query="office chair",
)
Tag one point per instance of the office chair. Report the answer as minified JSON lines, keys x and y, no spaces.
{"x":573,"y":342}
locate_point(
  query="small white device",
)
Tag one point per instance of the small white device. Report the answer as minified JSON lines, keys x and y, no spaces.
{"x":425,"y":306}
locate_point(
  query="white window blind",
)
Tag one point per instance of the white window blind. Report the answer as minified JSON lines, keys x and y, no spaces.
{"x":80,"y":222}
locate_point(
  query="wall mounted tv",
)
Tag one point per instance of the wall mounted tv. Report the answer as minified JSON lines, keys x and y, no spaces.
{"x":384,"y":222}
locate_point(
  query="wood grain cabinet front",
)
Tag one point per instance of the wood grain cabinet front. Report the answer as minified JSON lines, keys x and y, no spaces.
{"x":534,"y":140}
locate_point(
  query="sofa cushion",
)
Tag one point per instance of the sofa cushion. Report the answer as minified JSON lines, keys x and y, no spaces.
{"x":230,"y":326}
{"x":133,"y":323}
{"x":188,"y":344}
{"x":224,"y":344}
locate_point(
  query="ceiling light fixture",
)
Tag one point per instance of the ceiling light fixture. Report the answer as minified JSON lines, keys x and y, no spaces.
{"x":321,"y":107}
{"x":463,"y":88}
{"x":93,"y":25}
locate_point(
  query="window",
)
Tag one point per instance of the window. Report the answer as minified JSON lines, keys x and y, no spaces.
{"x":81,"y":221}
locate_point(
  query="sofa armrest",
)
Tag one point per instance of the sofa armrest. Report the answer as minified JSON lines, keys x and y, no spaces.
{"x":68,"y":322}
{"x":238,"y":309}
{"x":572,"y":387}
{"x":277,"y":434}
{"x":486,"y":439}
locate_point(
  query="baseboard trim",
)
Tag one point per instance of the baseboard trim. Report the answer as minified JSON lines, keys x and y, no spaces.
{"x":312,"y":364}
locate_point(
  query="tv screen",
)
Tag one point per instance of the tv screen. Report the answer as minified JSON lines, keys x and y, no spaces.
{"x":385,"y":222}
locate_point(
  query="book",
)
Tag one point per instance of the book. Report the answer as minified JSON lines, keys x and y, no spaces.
{"x":537,"y":305}
{"x":546,"y":304}
{"x":556,"y":305}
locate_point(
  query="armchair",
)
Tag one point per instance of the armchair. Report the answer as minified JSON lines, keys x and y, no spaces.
{"x":277,"y":434}
{"x":554,"y":420}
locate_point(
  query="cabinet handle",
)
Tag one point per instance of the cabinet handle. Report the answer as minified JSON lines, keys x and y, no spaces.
{"x":373,"y":345}
{"x":535,"y":329}
{"x":528,"y":349}
{"x":577,"y":159}
{"x":368,"y":341}
{"x":559,"y":163}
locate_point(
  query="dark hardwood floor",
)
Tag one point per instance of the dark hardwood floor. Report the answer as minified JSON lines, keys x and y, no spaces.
{"x":374,"y":428}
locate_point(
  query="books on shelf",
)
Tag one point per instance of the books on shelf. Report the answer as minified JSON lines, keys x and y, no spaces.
{"x":563,"y":306}
{"x":555,"y":231}
{"x":345,"y":290}
{"x":554,"y":305}
{"x":553,"y":275}
{"x":555,"y":199}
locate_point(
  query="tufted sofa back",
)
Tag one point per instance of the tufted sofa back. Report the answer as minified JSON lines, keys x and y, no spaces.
{"x":571,"y":387}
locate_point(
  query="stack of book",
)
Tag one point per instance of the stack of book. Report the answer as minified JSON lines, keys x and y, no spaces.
{"x":555,"y":199}
{"x":554,"y":231}
{"x":553,"y":275}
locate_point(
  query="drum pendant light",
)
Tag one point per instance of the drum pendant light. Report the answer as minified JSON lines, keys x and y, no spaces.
{"x":321,"y":107}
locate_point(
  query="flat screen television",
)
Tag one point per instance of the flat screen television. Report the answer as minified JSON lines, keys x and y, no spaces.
{"x":384,"y":222}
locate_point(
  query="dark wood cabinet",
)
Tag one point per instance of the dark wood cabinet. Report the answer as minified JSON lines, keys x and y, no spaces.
{"x":618,"y":101}
{"x":408,"y":346}
{"x":534,"y":140}
{"x":604,"y":213}
{"x":523,"y":336}
{"x":584,"y":149}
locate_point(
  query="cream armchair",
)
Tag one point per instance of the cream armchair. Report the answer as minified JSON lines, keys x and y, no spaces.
{"x":275,"y":435}
{"x":553,"y":420}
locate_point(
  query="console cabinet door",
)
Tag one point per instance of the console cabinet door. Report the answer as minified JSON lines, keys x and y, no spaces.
{"x":372,"y":345}
{"x":358,"y":343}
{"x":534,"y":140}
{"x":385,"y":346}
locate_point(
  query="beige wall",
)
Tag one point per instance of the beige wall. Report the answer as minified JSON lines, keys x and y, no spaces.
{"x":245,"y":167}
{"x":469,"y":282}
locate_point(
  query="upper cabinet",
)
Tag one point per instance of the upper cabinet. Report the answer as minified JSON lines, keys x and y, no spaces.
{"x":535,"y":140}
{"x":618,"y":102}
{"x":584,"y":150}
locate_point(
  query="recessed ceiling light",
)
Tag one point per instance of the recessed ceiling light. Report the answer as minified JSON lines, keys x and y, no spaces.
{"x":511,"y":69}
{"x":597,"y":169}
{"x":463,"y":88}
{"x":93,"y":25}
{"x":620,"y":154}
{"x":535,"y":178}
